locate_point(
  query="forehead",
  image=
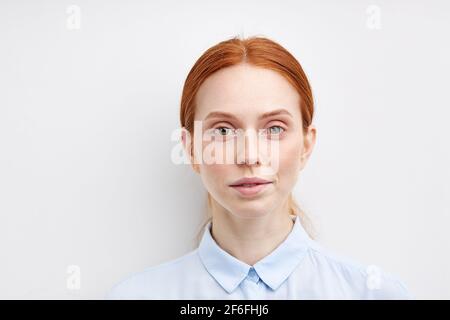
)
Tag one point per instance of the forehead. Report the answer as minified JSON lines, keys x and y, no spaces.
{"x":245,"y":89}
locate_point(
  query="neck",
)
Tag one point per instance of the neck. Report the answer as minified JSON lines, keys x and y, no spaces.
{"x":250,"y":239}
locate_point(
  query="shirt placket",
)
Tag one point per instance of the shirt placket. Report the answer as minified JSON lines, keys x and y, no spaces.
{"x":251,"y":285}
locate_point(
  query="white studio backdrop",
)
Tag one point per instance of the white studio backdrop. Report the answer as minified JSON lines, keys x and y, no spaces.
{"x":89,"y":99}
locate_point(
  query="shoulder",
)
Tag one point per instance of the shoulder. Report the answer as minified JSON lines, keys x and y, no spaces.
{"x":355,"y":279}
{"x":153,"y":281}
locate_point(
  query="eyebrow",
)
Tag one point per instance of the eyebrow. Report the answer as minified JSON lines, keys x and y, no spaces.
{"x":221,"y":114}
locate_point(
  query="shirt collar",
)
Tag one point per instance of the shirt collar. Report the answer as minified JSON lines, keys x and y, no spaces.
{"x":273,"y":269}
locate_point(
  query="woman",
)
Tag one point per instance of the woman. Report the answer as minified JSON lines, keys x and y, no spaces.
{"x":248,"y":101}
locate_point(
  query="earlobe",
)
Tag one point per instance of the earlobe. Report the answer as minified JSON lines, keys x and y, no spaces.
{"x":302,"y":161}
{"x":196,"y":169}
{"x":189,"y":148}
{"x":310,"y":141}
{"x":193,"y":164}
{"x":186,"y":140}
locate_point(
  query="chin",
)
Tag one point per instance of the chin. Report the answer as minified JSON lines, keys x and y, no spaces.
{"x":249,"y":210}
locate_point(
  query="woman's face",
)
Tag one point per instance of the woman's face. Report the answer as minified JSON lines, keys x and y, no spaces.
{"x":242,"y":143}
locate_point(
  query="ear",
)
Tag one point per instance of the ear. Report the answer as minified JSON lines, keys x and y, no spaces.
{"x":188,"y":145}
{"x":309,"y":141}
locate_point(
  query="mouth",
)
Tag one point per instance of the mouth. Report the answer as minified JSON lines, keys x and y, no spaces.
{"x":250,"y":189}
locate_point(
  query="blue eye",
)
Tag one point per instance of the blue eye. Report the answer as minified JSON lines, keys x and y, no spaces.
{"x":222,"y":131}
{"x":228,"y":132}
{"x":276,"y":131}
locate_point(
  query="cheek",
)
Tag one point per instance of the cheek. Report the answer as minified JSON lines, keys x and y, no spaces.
{"x":214,"y":176}
{"x":289,"y":162}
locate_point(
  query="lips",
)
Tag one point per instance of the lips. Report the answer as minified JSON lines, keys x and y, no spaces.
{"x":249,"y":182}
{"x":250,"y":186}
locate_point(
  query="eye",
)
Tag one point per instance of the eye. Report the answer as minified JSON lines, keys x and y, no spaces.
{"x":222,"y":131}
{"x":276,"y":132}
{"x":273,"y":132}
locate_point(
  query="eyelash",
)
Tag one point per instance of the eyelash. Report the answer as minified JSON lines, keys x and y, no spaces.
{"x":221,"y":127}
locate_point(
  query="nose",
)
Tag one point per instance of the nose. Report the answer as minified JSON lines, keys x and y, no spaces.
{"x":247,"y":148}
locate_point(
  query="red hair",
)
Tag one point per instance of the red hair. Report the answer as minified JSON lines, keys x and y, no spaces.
{"x":260,"y":52}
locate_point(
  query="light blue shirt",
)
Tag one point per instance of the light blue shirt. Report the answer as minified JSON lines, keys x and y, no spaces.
{"x":299,"y":268}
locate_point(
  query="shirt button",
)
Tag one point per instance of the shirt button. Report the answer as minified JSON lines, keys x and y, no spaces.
{"x":252,"y":275}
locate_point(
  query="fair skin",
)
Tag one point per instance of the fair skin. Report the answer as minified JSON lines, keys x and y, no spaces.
{"x":251,"y":227}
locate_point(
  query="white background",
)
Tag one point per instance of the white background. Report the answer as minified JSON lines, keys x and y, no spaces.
{"x":86,"y":117}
